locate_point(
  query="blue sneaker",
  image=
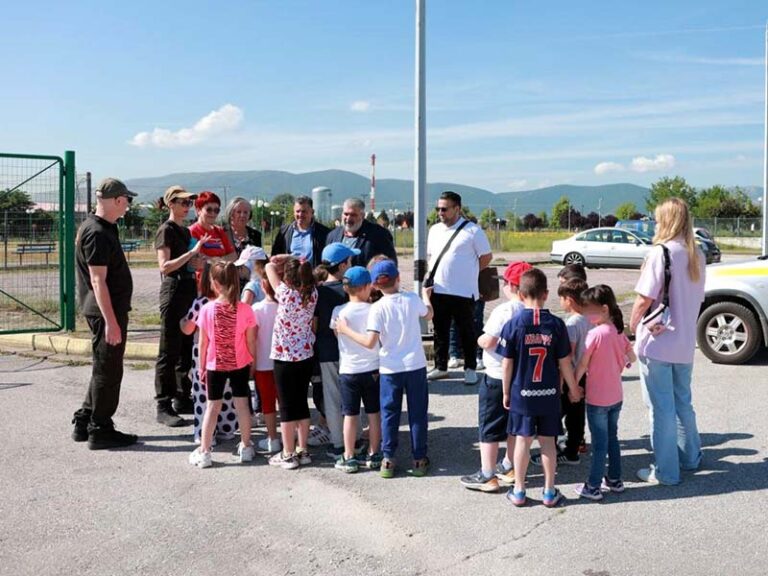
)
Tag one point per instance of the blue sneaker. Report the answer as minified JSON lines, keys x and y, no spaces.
{"x":588,"y":492}
{"x":552,"y":498}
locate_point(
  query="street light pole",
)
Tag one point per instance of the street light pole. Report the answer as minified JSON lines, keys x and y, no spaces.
{"x":765,"y":154}
{"x":420,"y":164}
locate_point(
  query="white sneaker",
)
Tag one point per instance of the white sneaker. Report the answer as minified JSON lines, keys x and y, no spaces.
{"x":284,"y":461}
{"x":648,"y":475}
{"x":200,"y":459}
{"x":436,"y":374}
{"x":470,"y":377}
{"x":244,"y":453}
{"x":480,"y":365}
{"x":303,"y":457}
{"x":453,"y":363}
{"x":270,"y":445}
{"x":258,"y":420}
{"x":319,"y":436}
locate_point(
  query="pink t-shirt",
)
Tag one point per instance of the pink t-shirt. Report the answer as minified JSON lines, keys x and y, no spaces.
{"x":225,"y":328}
{"x":608,"y":351}
{"x":293,"y":338}
{"x":674,"y":345}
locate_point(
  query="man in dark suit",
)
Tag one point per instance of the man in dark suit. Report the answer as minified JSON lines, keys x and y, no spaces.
{"x":357,"y":232}
{"x":304,"y":237}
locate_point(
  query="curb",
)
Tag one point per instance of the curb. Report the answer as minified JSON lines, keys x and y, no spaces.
{"x":69,"y":345}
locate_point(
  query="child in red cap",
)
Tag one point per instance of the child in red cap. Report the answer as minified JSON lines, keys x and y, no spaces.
{"x":492,"y":417}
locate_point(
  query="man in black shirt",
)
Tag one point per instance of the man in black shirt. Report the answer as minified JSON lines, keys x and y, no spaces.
{"x":105,"y":287}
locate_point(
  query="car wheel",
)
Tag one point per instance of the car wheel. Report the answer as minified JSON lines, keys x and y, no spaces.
{"x":574,"y":258}
{"x":728,"y":333}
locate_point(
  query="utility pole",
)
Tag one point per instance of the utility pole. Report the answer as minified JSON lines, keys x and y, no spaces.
{"x":88,"y":198}
{"x":765,"y":154}
{"x":420,"y":176}
{"x":600,"y":212}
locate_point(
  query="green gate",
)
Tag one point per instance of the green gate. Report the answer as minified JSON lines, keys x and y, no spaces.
{"x":37,"y":238}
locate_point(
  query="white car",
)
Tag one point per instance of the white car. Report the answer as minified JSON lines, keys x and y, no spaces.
{"x":733,"y":322}
{"x":602,"y":247}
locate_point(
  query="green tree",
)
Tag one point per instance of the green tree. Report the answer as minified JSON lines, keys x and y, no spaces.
{"x":544,"y":219}
{"x":15,"y":201}
{"x":488,"y":217}
{"x":720,"y":202}
{"x":669,"y":188}
{"x":560,"y":211}
{"x":626,"y":210}
{"x":154,"y":217}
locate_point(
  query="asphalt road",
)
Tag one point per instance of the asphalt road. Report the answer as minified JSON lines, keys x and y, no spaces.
{"x":144,"y":510}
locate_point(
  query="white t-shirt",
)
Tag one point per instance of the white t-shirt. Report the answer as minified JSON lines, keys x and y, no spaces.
{"x":459,"y":268}
{"x":500,"y":315}
{"x":677,"y":345}
{"x":353,"y":358}
{"x":265,"y":312}
{"x":396,"y":319}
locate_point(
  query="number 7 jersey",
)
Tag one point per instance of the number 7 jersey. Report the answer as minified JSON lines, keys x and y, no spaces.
{"x":535,"y":340}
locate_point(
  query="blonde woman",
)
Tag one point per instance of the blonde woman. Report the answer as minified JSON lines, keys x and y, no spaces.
{"x":665,"y":350}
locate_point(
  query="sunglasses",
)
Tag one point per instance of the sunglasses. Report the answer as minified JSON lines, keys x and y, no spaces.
{"x":442,"y":209}
{"x":185,"y":203}
{"x":128,"y":198}
{"x":213,"y":209}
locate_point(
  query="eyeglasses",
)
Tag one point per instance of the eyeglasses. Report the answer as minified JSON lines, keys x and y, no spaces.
{"x":212,"y":209}
{"x":185,"y":203}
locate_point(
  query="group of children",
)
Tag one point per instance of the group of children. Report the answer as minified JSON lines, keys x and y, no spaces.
{"x":364,"y":334}
{"x":352,"y":322}
{"x":541,"y":370}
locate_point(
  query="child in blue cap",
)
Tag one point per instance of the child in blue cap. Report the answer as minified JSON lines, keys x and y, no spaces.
{"x":394,"y":324}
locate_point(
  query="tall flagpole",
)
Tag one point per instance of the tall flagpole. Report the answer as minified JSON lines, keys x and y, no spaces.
{"x":765,"y":155}
{"x":420,"y":168}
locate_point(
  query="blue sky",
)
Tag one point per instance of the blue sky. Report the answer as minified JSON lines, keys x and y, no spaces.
{"x":520,"y":94}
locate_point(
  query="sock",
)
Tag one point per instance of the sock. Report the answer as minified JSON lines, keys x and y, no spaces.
{"x":487,"y":474}
{"x":507,"y":464}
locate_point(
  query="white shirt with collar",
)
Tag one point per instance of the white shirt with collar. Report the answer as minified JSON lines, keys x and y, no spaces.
{"x":460,"y":266}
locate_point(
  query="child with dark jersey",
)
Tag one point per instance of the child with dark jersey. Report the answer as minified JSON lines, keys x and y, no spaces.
{"x":535,"y":350}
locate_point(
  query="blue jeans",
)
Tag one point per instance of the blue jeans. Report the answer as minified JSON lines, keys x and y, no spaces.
{"x":604,"y":429}
{"x":391,"y":388}
{"x":455,"y":349}
{"x":674,"y":435}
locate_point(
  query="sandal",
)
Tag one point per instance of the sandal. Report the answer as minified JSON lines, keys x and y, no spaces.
{"x":420,"y":468}
{"x":552,"y":498}
{"x":517,"y":498}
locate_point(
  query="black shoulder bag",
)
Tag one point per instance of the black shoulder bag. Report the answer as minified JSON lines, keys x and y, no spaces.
{"x":653,"y":317}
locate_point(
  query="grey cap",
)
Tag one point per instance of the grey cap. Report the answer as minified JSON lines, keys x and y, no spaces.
{"x":113,"y":188}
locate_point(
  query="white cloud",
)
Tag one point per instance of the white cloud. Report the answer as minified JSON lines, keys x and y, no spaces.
{"x":360,"y":106}
{"x":518,"y":184}
{"x":225,"y":119}
{"x":608,"y":167}
{"x":660,"y":163}
{"x":678,"y":58}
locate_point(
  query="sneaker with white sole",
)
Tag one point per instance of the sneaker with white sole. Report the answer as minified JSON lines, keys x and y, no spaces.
{"x":648,"y":475}
{"x":244,"y":453}
{"x":453,"y":363}
{"x":589,"y":492}
{"x":319,"y":436}
{"x":270,"y":445}
{"x":303,"y":457}
{"x":436,"y":374}
{"x":200,"y":459}
{"x":284,"y":461}
{"x":470,"y":377}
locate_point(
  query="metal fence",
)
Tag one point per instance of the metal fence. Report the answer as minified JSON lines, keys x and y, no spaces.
{"x":731,"y":227}
{"x":36,"y":243}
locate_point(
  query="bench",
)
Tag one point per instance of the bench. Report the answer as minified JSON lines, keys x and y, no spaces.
{"x":130,"y":246}
{"x":46,"y":249}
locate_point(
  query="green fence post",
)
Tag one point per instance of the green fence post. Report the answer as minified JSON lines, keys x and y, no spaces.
{"x":68,"y":240}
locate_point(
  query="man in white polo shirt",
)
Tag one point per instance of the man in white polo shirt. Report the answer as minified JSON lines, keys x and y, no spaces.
{"x":455,"y":282}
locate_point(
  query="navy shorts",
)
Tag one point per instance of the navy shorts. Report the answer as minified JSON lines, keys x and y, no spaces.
{"x":359,"y":387}
{"x":530,"y":426}
{"x":492,"y":418}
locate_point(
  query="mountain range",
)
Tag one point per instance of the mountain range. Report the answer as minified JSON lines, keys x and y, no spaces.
{"x":392,"y":193}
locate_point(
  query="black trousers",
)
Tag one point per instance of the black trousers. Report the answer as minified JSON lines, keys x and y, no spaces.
{"x":461,"y":310}
{"x":174,"y":357}
{"x":103,"y":394}
{"x":574,"y":414}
